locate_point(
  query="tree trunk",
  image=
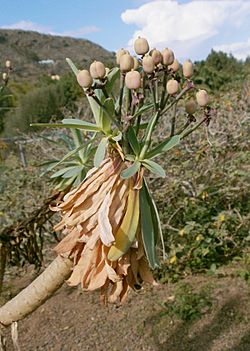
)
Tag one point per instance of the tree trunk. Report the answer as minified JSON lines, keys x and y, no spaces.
{"x":30,"y":298}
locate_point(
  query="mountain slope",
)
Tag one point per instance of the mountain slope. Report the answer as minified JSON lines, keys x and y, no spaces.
{"x":33,"y":54}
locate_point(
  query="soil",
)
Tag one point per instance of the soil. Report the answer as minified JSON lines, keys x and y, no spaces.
{"x":73,"y":320}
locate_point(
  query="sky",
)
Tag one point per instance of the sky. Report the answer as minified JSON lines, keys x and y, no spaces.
{"x":190,"y":27}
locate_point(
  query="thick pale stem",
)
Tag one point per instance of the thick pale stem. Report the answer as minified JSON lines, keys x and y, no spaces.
{"x":30,"y":298}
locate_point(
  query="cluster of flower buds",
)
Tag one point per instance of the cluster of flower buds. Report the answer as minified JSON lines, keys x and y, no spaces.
{"x":97,"y":70}
{"x":150,"y":63}
{"x":8,"y":68}
{"x":55,"y":77}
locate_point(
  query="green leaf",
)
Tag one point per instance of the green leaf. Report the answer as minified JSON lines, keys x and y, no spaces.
{"x":106,"y":120}
{"x":84,"y":125}
{"x":156,"y":219}
{"x":148,"y":226}
{"x":130,"y":158}
{"x":92,"y":128}
{"x":143,"y":109}
{"x":164,"y":146}
{"x":72,"y":66}
{"x":110,"y":106}
{"x":61,"y":172}
{"x":117,"y":137}
{"x":154,"y":168}
{"x":133,"y":141}
{"x":100,"y":152}
{"x":75,"y":171}
{"x":130,"y":171}
{"x":71,"y":153}
{"x":112,"y":76}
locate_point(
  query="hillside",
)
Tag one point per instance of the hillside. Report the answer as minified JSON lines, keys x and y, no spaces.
{"x":29,"y":52}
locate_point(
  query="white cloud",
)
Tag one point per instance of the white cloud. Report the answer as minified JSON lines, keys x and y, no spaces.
{"x":240,"y":50}
{"x":184,"y":27}
{"x":28,"y":25}
{"x":81,"y":31}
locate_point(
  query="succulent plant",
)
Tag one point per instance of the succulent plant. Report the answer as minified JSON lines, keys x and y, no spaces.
{"x":110,"y":220}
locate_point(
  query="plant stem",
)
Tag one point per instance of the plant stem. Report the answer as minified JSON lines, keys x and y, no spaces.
{"x":121,"y":93}
{"x":194,"y":128}
{"x":30,"y":298}
{"x":181,"y":130}
{"x":152,"y":89}
{"x":173,"y":120}
{"x":164,"y":83}
{"x":149,"y":135}
{"x":178,"y":97}
{"x":106,"y":112}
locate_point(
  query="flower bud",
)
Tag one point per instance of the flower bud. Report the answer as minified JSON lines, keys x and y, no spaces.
{"x":202,"y":98}
{"x":97,"y":70}
{"x":136,"y":63}
{"x":167,"y":57}
{"x":141,"y":46}
{"x":84,"y":79}
{"x":187,"y":69}
{"x":175,"y":66}
{"x":8,"y":64}
{"x":148,"y":64}
{"x":126,"y":62}
{"x":119,"y":53}
{"x":156,"y":56}
{"x":172,"y":86}
{"x":5,"y":76}
{"x":133,"y":80}
{"x":191,"y":106}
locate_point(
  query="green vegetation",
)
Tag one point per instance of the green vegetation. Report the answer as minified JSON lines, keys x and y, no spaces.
{"x":187,"y":304}
{"x":220,"y":71}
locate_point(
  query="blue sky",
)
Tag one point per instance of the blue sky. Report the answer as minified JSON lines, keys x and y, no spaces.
{"x":192,"y":28}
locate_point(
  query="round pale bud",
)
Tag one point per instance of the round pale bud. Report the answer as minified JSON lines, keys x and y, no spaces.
{"x":148,"y":64}
{"x":167,"y":57}
{"x":133,"y":80}
{"x":136,"y":63}
{"x":97,"y":70}
{"x":202,"y":98}
{"x":84,"y":79}
{"x":172,"y":86}
{"x":175,"y":66}
{"x":8,"y":64}
{"x":191,"y":106}
{"x":119,"y":53}
{"x":141,"y":46}
{"x":5,"y":76}
{"x":156,"y":56}
{"x":126,"y":62}
{"x":57,"y":77}
{"x":188,"y":69}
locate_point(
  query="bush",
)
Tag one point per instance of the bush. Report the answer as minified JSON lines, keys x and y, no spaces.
{"x":218,"y":71}
{"x":205,"y":202}
{"x":42,"y":103}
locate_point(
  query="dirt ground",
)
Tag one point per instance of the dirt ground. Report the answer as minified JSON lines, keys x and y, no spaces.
{"x":73,"y":320}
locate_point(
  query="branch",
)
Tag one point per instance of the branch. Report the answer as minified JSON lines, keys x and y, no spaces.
{"x":43,"y":287}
